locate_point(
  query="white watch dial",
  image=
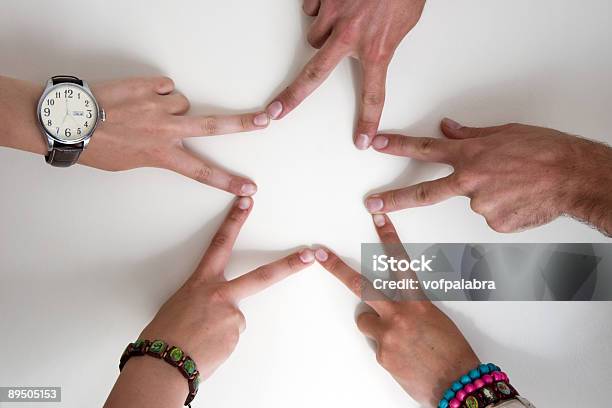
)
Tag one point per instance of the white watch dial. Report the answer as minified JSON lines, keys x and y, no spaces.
{"x":69,"y":113}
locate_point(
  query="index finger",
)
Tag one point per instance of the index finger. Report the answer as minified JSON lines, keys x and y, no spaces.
{"x":394,"y":247}
{"x":314,"y":73}
{"x":420,"y":148}
{"x":267,"y":275}
{"x":193,"y":126}
{"x":220,"y":249}
{"x":372,"y":103}
{"x":355,"y":282}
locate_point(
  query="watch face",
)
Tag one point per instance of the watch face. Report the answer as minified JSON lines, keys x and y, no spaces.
{"x":68,"y":113}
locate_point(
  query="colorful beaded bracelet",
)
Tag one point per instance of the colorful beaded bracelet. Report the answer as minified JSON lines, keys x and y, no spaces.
{"x":465,"y":381}
{"x":487,"y":395}
{"x":172,"y":355}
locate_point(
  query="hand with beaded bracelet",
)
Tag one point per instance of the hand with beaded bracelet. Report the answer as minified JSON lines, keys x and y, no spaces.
{"x":416,"y":342}
{"x":197,"y":329}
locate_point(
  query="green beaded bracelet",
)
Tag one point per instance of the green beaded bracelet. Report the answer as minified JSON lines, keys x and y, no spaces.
{"x":172,"y":355}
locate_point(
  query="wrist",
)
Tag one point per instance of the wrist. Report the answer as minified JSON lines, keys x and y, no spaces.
{"x":19,"y":101}
{"x":148,"y":382}
{"x":590,"y":196}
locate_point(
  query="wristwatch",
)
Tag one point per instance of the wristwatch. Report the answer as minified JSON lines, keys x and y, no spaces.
{"x":68,"y":115}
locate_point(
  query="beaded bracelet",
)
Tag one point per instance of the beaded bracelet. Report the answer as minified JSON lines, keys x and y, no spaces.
{"x":481,"y":386}
{"x":172,"y":355}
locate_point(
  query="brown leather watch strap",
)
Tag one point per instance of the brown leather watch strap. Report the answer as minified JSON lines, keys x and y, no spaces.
{"x":60,"y":79}
{"x":64,"y":155}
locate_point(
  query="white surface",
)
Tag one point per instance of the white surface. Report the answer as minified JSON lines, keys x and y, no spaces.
{"x":75,"y":289}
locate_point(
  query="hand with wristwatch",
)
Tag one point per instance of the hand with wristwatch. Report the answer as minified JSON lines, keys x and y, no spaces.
{"x":117,"y":125}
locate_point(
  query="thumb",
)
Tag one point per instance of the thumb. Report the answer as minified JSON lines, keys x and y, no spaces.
{"x":454,"y":130}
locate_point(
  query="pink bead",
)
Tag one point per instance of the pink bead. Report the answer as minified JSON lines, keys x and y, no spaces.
{"x":469,"y":388}
{"x":454,"y":403}
{"x":487,"y":379}
{"x":461,"y":394}
{"x":498,"y":376}
{"x":479,"y":384}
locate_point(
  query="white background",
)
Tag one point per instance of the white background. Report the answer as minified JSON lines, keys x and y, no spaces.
{"x":87,"y":257}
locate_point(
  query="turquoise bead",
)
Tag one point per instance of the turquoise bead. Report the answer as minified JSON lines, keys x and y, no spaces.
{"x":449,"y":394}
{"x":484,"y":369}
{"x":457,"y":386}
{"x":443,"y":404}
{"x":492,"y":367}
{"x":474,"y":374}
{"x":465,"y":380}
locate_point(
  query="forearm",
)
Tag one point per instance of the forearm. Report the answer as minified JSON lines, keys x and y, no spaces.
{"x":18,"y":101}
{"x":147,"y":382}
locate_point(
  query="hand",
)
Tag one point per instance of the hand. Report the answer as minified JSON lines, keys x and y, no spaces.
{"x":369,"y":30}
{"x":203,"y":317}
{"x":517,"y":176}
{"x":415,"y":342}
{"x":146,"y":125}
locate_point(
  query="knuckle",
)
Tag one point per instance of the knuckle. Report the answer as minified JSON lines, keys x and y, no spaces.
{"x":349,"y":33}
{"x":264,"y":274}
{"x":499,"y":224}
{"x":314,"y":72}
{"x":245,"y":122}
{"x":210,"y":125}
{"x":165,"y":82}
{"x":422,"y":193}
{"x":236,"y":215}
{"x":397,"y":320}
{"x":477,"y":206}
{"x":183,"y":103}
{"x":203,"y":173}
{"x":464,"y":182}
{"x":219,"y":240}
{"x":372,"y":98}
{"x":392,"y":200}
{"x":425,"y":145}
{"x":334,"y":265}
{"x":405,"y":143}
{"x":383,"y":355}
{"x":151,"y":104}
{"x":290,"y":97}
{"x":355,"y":283}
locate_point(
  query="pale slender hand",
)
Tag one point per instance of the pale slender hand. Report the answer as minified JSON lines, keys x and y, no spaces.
{"x":202,"y":317}
{"x":145,"y":127}
{"x":517,"y":176}
{"x":416,"y":343}
{"x":369,"y":30}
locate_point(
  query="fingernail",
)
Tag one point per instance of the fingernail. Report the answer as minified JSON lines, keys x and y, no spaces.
{"x":451,"y":124}
{"x":248,"y":189}
{"x":261,"y":120}
{"x":244,"y":203}
{"x":307,"y":256}
{"x":380,"y":142}
{"x":275,"y":109}
{"x":321,"y":255}
{"x":362,"y":142}
{"x":374,"y":204}
{"x":379,"y":220}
